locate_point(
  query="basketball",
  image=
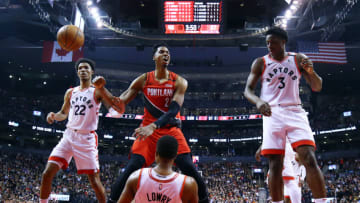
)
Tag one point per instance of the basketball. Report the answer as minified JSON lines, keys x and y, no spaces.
{"x":70,"y":37}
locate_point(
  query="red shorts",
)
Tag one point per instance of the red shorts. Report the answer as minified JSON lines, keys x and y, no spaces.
{"x":147,"y":147}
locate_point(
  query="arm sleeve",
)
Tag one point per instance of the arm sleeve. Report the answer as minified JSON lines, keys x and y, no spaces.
{"x":174,"y":108}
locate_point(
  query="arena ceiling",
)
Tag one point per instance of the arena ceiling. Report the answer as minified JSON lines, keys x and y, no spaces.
{"x":140,"y":23}
{"x":25,"y":24}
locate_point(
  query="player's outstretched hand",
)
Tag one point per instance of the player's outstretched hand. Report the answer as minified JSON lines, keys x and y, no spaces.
{"x":264,"y":108}
{"x":50,"y":118}
{"x":144,"y":132}
{"x":99,"y":82}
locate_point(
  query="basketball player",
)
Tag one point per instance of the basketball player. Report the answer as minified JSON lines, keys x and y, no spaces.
{"x":161,"y":183}
{"x":164,"y":93}
{"x":290,"y":174}
{"x":81,"y":105}
{"x":280,"y":103}
{"x":300,"y":174}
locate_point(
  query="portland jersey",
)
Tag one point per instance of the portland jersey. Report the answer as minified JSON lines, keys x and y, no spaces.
{"x":280,"y":81}
{"x":158,"y":94}
{"x":84,"y":110}
{"x":153,"y":187}
{"x":288,"y":169}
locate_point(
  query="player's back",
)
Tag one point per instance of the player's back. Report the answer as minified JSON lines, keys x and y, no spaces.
{"x":153,"y":187}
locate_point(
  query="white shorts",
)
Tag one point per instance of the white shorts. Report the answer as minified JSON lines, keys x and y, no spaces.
{"x":292,"y":190}
{"x":290,"y":122}
{"x":84,"y":149}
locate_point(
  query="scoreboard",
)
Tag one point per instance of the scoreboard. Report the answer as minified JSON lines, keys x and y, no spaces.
{"x":192,"y":17}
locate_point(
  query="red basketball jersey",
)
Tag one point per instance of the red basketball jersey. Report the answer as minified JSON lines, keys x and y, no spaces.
{"x":158,"y":94}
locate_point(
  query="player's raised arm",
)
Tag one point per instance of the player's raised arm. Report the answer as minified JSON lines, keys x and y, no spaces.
{"x":105,"y":96}
{"x":63,"y":113}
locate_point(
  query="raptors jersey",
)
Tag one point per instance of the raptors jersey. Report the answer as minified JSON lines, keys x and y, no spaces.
{"x":84,"y":110}
{"x":153,"y":187}
{"x":288,"y":172}
{"x":158,"y":94}
{"x":299,"y":171}
{"x":280,"y":81}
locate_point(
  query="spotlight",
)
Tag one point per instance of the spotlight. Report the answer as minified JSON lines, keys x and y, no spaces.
{"x":288,"y":14}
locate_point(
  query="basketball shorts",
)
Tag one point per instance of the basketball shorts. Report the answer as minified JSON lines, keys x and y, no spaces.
{"x":286,"y":121}
{"x":82,"y":146}
{"x":147,"y":147}
{"x":292,"y":190}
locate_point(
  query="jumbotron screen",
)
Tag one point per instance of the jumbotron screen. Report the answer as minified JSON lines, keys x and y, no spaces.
{"x":192,"y":17}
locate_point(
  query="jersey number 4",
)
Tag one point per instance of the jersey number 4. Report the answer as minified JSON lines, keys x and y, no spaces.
{"x":80,"y":110}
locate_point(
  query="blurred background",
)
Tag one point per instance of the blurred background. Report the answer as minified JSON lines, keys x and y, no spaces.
{"x":212,"y":44}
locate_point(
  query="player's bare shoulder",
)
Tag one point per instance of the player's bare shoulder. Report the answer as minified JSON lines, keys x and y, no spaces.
{"x":258,"y":65}
{"x":68,"y":93}
{"x":133,"y":178}
{"x":139,"y":82}
{"x":190,"y":193}
{"x":136,"y":173}
{"x":181,"y":82}
{"x":190,"y":182}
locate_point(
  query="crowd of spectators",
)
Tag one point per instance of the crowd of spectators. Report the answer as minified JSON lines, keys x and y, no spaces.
{"x":322,"y":116}
{"x":226,"y":181}
{"x":209,"y":101}
{"x":331,"y":114}
{"x":342,"y":182}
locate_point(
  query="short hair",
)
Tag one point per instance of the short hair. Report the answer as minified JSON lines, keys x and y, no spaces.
{"x":279,"y":32}
{"x":85,"y":60}
{"x":156,"y":46}
{"x":167,"y":147}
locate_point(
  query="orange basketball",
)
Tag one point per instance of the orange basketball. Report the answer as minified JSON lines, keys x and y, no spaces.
{"x":70,"y":37}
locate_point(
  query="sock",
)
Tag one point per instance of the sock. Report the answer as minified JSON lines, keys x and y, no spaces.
{"x":320,"y":200}
{"x":44,"y":200}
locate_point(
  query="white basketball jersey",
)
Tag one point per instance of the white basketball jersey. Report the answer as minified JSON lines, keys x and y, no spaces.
{"x":280,"y":81}
{"x":288,"y":170}
{"x":153,"y":187}
{"x":84,"y":111}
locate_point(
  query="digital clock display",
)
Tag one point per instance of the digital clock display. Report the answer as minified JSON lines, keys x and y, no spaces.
{"x":192,"y":17}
